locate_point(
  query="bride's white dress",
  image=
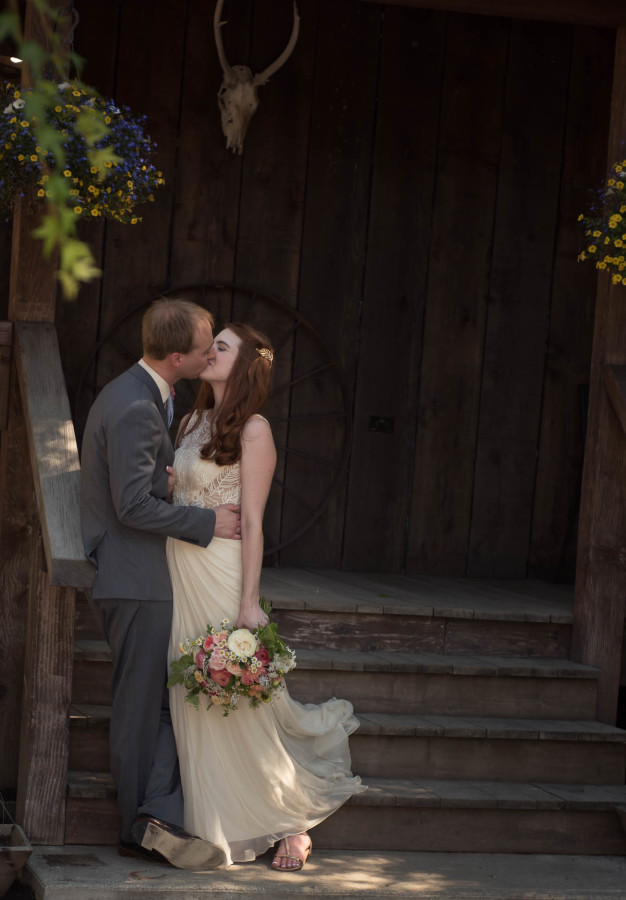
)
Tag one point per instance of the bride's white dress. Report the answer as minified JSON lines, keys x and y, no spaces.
{"x":257,"y":775}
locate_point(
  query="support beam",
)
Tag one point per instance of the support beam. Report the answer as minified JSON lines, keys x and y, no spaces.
{"x":600,"y":598}
{"x":605,"y":13}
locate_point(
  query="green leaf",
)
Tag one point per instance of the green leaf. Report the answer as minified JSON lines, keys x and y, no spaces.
{"x":9,"y":26}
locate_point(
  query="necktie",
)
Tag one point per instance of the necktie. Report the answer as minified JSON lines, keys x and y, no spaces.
{"x":169,"y":408}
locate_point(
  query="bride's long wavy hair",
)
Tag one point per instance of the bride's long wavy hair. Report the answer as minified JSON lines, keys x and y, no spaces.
{"x":246,"y":391}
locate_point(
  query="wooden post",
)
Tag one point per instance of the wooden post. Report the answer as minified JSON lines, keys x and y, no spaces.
{"x":600,"y":599}
{"x":47,"y":641}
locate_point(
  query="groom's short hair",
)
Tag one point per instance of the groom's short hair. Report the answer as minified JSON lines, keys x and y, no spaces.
{"x":169,"y":326}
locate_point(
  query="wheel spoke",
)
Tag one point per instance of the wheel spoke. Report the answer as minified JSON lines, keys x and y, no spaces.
{"x":310,"y":456}
{"x":309,"y":417}
{"x":293,"y":494}
{"x":289,"y":334}
{"x":300,"y":378}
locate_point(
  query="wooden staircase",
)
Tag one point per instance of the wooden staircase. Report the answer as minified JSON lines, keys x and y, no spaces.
{"x":477,"y":733}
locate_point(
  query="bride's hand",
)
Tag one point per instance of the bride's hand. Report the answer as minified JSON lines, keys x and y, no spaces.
{"x":252,"y":618}
{"x":172,"y":478}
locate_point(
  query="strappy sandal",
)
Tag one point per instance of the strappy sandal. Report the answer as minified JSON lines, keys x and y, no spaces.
{"x":288,"y":855}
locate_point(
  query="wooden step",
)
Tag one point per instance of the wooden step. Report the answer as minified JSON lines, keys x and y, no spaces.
{"x":345,"y":611}
{"x":434,"y":815}
{"x":446,"y":747}
{"x":404,"y":682}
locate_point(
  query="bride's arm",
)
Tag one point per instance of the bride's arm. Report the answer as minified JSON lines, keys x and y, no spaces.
{"x":258,"y":461}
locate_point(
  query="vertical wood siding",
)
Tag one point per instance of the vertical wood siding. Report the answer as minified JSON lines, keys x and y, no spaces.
{"x":410,"y":184}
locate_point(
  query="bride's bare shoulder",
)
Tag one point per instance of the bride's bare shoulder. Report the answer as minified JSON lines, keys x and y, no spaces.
{"x":256,"y":426}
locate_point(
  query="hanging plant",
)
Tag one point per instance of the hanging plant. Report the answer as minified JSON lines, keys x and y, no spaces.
{"x":108,"y":171}
{"x":604,"y":226}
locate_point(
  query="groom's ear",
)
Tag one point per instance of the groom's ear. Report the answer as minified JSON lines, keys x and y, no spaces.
{"x":175,"y":359}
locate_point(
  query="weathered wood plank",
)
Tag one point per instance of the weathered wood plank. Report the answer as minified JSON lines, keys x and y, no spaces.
{"x":77,"y":322}
{"x":6,"y":345}
{"x":561,"y":441}
{"x":467,"y":175}
{"x":17,"y":522}
{"x":608,"y":13}
{"x":599,"y":603}
{"x":208,"y":176}
{"x":520,"y":285}
{"x":614,"y":379}
{"x":333,"y":257}
{"x":390,"y":339}
{"x":137,"y":257}
{"x":269,"y":238}
{"x":53,"y":453}
{"x":42,"y":781}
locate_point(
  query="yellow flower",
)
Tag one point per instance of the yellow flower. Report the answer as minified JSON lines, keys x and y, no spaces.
{"x":20,"y":156}
{"x":607,"y":240}
{"x":597,"y":234}
{"x":7,"y":146}
{"x":108,"y":165}
{"x":619,"y":185}
{"x":95,"y":212}
{"x":582,"y":256}
{"x":12,"y":121}
{"x":67,"y":173}
{"x":93,"y":170}
{"x":58,"y":109}
{"x":580,"y":217}
{"x":13,"y":135}
{"x":133,"y":221}
{"x":107,"y":120}
{"x":78,"y":210}
{"x":617,"y":167}
{"x":617,"y":279}
{"x":592,"y":248}
{"x":611,"y":181}
{"x":601,"y":265}
{"x":16,"y":95}
{"x":608,"y":260}
{"x":37,"y":149}
{"x":24,"y":124}
{"x":619,"y":243}
{"x":75,"y":93}
{"x":33,"y":157}
{"x":40,"y":192}
{"x":612,"y":224}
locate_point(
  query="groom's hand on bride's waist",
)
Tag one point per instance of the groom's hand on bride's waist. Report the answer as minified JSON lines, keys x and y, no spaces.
{"x":227,"y":522}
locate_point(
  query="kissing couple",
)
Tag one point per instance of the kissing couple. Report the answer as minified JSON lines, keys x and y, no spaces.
{"x":176,"y":536}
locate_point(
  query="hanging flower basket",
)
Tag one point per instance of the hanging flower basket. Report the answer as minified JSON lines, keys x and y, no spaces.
{"x":113,"y":190}
{"x":604,"y":226}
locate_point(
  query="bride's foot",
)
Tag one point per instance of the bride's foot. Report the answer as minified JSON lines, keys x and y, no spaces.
{"x":292,"y":853}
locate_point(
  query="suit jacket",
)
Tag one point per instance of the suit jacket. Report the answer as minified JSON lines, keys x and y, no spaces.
{"x":124,"y":510}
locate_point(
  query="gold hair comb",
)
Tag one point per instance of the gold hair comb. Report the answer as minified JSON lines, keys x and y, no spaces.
{"x":266,"y":354}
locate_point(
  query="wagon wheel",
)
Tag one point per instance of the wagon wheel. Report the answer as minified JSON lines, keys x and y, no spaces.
{"x":308,"y":406}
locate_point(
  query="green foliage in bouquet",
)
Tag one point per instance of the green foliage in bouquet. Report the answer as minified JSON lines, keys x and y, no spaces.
{"x":604,"y":226}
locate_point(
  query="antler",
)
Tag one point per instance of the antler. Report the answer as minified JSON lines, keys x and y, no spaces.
{"x":217,"y":28}
{"x":266,"y":74}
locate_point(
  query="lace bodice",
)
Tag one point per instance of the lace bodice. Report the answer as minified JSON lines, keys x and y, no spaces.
{"x":201,"y":482}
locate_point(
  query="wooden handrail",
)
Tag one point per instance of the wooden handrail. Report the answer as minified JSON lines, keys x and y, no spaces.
{"x":53,"y":453}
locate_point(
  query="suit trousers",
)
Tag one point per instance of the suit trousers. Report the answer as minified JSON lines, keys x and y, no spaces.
{"x":144,"y":762}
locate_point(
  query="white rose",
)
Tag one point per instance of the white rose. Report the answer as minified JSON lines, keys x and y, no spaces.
{"x":242,"y":643}
{"x":19,"y":104}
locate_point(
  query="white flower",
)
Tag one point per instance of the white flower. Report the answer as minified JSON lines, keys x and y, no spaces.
{"x":243,"y":643}
{"x":114,"y":110}
{"x":64,"y":85}
{"x":18,"y":104}
{"x":9,"y":108}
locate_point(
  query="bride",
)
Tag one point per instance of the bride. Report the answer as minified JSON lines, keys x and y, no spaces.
{"x":266,"y":775}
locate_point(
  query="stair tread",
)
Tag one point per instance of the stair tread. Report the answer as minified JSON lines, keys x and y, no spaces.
{"x":438,"y":726}
{"x":431,"y":793}
{"x":388,"y":661}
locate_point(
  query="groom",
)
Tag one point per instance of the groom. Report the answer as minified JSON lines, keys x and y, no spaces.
{"x":125,"y":521}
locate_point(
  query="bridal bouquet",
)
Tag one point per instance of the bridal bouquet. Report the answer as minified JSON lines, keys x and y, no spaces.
{"x":229,"y":663}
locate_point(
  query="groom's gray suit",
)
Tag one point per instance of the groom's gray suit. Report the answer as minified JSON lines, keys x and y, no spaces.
{"x":126,"y":519}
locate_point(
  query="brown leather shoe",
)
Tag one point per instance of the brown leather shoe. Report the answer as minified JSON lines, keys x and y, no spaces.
{"x":181,"y":849}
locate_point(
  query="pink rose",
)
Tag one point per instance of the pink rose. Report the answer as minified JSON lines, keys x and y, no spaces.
{"x":199,"y":658}
{"x":221,"y":676}
{"x":255,"y":690}
{"x":233,"y":667}
{"x":247,"y":677}
{"x":208,"y":642}
{"x":218,"y":660}
{"x":220,"y":636}
{"x":263,"y":656}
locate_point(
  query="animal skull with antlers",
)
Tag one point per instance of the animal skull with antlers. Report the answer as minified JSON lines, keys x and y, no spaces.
{"x":237,"y":97}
